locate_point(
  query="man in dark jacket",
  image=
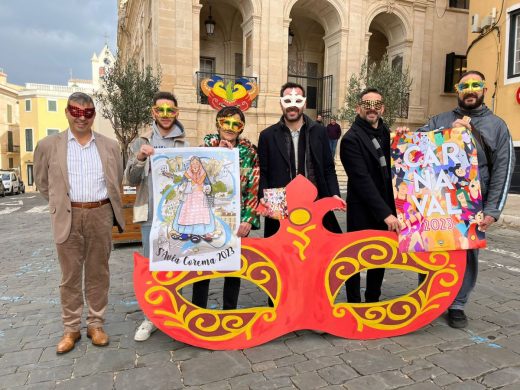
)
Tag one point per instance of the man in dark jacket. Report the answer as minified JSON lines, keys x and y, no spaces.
{"x":491,"y":133}
{"x":296,"y":145}
{"x":334,"y":134}
{"x":365,"y":155}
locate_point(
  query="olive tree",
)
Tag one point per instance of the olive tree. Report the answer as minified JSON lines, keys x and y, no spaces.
{"x":125,"y":99}
{"x":393,"y":83}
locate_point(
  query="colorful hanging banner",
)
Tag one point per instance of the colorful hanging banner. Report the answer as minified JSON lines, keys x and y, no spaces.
{"x":221,"y":93}
{"x":302,"y":268}
{"x":196,"y":200}
{"x":437,"y":191}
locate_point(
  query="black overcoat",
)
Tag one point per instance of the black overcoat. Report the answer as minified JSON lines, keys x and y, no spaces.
{"x":369,"y":195}
{"x":275,"y":165}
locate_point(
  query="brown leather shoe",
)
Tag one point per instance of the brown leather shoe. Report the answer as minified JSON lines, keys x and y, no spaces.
{"x":67,"y":342}
{"x":98,"y":336}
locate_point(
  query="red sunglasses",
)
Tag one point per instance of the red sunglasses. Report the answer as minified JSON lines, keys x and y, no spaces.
{"x":77,"y":112}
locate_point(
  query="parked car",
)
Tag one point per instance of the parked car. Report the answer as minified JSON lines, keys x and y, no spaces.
{"x":2,"y":189}
{"x":11,"y":182}
{"x":22,"y":187}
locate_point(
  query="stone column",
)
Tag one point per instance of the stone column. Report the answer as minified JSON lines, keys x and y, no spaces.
{"x":417,"y":112}
{"x":228,"y":57}
{"x":336,"y":45}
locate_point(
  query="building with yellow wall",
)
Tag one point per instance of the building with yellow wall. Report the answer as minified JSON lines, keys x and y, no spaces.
{"x":41,"y":109}
{"x":9,"y":124}
{"x":42,"y":112}
{"x":494,"y":49}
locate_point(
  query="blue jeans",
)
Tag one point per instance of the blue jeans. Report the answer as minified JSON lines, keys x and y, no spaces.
{"x":145,"y":238}
{"x":468,"y":283}
{"x":470,"y":279}
{"x":333,"y":143}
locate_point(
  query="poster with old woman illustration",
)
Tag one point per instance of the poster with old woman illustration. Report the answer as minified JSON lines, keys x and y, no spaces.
{"x":196,"y":200}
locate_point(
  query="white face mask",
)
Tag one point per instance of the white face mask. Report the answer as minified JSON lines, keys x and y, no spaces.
{"x":294,"y":99}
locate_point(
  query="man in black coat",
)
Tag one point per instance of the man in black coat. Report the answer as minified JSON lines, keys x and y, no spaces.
{"x":296,"y":145}
{"x":365,"y":154}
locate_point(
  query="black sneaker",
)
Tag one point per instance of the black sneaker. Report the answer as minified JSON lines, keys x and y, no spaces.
{"x":457,"y":318}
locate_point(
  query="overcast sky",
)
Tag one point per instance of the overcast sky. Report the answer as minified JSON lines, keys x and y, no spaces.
{"x":41,"y":41}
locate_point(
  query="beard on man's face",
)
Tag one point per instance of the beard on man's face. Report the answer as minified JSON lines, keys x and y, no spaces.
{"x":370,"y":116}
{"x":165,"y":123}
{"x":292,"y":114}
{"x":478,"y":101}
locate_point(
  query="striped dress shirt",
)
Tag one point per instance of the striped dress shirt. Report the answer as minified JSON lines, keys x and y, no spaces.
{"x":86,"y":177}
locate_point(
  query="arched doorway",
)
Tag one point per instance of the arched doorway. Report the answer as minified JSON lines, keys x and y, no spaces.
{"x":221,"y":51}
{"x":388,"y":36}
{"x":314,"y":54}
{"x":222,"y":48}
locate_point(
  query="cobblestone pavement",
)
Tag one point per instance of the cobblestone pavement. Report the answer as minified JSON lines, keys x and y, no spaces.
{"x":486,"y":355}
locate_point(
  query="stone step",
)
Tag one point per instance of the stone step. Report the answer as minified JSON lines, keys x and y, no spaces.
{"x":342,"y":176}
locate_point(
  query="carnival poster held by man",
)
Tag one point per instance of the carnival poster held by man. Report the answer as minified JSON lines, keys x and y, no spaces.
{"x":496,"y":161}
{"x":230,"y":123}
{"x":79,"y":172}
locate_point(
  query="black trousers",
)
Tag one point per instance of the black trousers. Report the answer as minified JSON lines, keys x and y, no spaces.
{"x":373,"y":291}
{"x":231,"y":291}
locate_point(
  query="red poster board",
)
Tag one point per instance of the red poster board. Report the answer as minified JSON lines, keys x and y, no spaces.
{"x":302,"y":269}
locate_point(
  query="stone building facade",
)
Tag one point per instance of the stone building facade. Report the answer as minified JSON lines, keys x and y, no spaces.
{"x":318,"y":43}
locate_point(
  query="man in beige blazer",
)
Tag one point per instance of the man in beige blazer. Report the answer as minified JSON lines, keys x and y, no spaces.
{"x":79,"y":172}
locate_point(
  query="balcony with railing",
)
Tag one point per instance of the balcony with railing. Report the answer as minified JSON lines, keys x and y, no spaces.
{"x":228,"y":83}
{"x":9,"y":148}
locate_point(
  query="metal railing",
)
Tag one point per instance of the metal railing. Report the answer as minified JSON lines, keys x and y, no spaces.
{"x":319,"y":93}
{"x":227,"y":78}
{"x":6,"y":148}
{"x":403,"y":108}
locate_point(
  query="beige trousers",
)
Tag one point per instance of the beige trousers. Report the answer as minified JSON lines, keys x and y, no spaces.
{"x":86,"y":252}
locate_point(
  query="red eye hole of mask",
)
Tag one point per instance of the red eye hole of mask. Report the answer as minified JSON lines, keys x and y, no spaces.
{"x":78,"y":112}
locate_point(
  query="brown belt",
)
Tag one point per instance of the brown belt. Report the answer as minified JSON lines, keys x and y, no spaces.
{"x":90,"y":205}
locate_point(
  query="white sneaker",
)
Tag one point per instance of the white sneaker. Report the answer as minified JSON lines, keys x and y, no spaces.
{"x":145,"y":330}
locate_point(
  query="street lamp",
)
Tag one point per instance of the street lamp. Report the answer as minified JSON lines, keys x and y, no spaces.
{"x":210,"y":24}
{"x":291,"y":36}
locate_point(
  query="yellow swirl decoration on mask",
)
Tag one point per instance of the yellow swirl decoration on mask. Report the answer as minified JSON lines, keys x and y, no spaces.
{"x":382,"y":252}
{"x":232,"y":322}
{"x":302,"y":234}
{"x":202,"y":322}
{"x":436,"y":260}
{"x":167,"y":278}
{"x":356,"y":256}
{"x":215,"y":325}
{"x":158,"y":291}
{"x":269,"y":315}
{"x":218,"y":326}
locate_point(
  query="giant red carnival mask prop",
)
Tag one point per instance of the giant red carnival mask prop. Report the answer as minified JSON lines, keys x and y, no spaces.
{"x":302,"y":269}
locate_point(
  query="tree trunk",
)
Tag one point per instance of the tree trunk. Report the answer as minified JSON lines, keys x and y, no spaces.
{"x":124,"y":153}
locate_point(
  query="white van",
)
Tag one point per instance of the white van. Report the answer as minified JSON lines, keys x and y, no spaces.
{"x":11,"y":182}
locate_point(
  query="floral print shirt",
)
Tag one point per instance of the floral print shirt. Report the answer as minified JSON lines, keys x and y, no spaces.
{"x":249,"y":177}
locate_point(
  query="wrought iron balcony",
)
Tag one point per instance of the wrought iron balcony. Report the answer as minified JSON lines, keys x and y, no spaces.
{"x":13,"y":148}
{"x":10,"y":148}
{"x":228,"y":80}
